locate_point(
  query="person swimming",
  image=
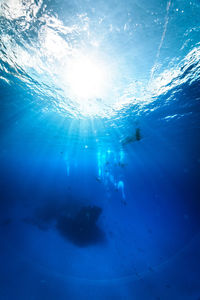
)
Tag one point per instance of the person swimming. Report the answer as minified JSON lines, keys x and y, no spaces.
{"x":132,"y":138}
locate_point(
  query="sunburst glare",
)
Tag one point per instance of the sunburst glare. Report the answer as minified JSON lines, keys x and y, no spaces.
{"x":86,"y":78}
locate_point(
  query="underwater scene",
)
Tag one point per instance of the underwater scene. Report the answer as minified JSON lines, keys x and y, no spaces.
{"x":99,"y":150}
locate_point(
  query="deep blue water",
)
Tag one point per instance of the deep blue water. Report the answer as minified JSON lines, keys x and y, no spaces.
{"x":99,"y":179}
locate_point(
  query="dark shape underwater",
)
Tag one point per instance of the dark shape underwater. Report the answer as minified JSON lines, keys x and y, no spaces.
{"x":82,"y":229}
{"x":77,"y":225}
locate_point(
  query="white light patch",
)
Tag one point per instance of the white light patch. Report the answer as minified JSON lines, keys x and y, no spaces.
{"x":86,"y":78}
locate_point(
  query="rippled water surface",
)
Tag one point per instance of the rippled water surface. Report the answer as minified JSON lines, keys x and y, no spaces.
{"x":99,"y":149}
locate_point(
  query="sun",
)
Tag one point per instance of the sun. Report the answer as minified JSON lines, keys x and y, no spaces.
{"x":86,"y":78}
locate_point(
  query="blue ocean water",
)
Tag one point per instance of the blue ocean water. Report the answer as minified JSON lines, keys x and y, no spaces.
{"x":99,"y":149}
